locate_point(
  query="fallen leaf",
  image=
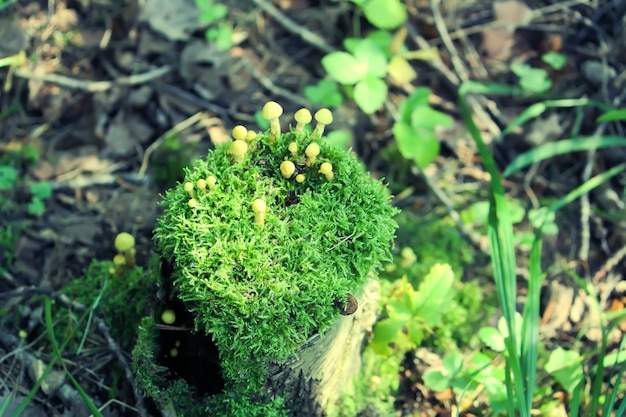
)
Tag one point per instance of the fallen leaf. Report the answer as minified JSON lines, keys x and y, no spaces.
{"x":174,"y":19}
{"x":498,"y":39}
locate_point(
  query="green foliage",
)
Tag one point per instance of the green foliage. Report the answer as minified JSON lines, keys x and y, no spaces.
{"x":214,"y":13}
{"x":325,"y":93}
{"x":384,"y":14}
{"x":566,"y":368}
{"x":121,"y":316}
{"x":262,"y":291}
{"x":556,"y":60}
{"x":8,"y":177}
{"x":431,"y":315}
{"x":364,"y":68}
{"x":532,"y":80}
{"x":415,"y":130}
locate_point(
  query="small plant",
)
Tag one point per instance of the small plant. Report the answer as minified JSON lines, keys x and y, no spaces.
{"x":325,"y":93}
{"x":415,"y":131}
{"x":384,"y":14}
{"x":363,"y":68}
{"x":213,"y":13}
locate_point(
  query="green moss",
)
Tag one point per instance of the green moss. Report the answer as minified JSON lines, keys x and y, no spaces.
{"x":262,"y":291}
{"x":112,"y":293}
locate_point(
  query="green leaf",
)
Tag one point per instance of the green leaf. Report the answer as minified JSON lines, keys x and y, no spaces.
{"x":532,"y":79}
{"x":387,"y":330}
{"x":42,"y":189}
{"x":566,"y":368}
{"x":339,"y":138}
{"x":616,"y":115}
{"x":36,"y":207}
{"x":326,"y":93}
{"x":398,"y":309}
{"x":492,"y":338}
{"x":8,"y":177}
{"x":369,"y":54}
{"x":554,"y":59}
{"x":561,"y":147}
{"x":370,"y":94}
{"x":420,"y":146}
{"x":385,"y":14}
{"x":426,"y":117}
{"x":344,"y":67}
{"x":436,"y":380}
{"x":453,"y":362}
{"x":416,"y":333}
{"x":432,"y":297}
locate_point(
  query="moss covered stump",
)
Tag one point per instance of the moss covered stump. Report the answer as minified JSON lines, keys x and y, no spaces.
{"x":273,"y":240}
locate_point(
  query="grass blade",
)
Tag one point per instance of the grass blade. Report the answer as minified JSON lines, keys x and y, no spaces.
{"x":562,"y":147}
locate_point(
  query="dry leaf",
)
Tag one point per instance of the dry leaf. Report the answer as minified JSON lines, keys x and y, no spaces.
{"x":512,"y":14}
{"x":498,"y":39}
{"x":174,"y":19}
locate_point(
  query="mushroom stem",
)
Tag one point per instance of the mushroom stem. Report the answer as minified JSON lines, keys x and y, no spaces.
{"x":323,"y":117}
{"x":311,"y":153}
{"x":259,"y":208}
{"x":271,"y":112}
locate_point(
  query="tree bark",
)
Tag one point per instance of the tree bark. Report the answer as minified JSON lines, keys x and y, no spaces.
{"x":315,"y":380}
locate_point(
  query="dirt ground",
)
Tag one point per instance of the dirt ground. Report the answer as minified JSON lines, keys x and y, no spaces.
{"x":115,"y":96}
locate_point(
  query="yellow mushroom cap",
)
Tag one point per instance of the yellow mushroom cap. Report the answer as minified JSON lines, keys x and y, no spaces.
{"x":250,"y":135}
{"x":303,"y":116}
{"x":259,"y":206}
{"x":326,"y":168}
{"x":124,"y":241}
{"x":192,"y":203}
{"x":201,"y":184}
{"x":300,"y":178}
{"x":168,"y":316}
{"x":287,"y":168}
{"x":240,"y":132}
{"x":271,"y":110}
{"x":238,"y":148}
{"x":324,"y":116}
{"x":293,"y":148}
{"x":312,"y":150}
{"x":188,"y":187}
{"x":119,"y":259}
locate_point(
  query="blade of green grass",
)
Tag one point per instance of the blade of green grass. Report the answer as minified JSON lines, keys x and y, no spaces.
{"x":500,"y":232}
{"x":475,"y":87}
{"x":562,"y":147}
{"x":57,"y":352}
{"x":537,"y":109}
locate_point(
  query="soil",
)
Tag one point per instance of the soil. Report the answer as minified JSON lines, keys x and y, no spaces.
{"x":113,"y":98}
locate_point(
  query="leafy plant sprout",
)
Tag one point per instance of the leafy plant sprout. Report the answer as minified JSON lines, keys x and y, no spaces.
{"x":276,"y":234}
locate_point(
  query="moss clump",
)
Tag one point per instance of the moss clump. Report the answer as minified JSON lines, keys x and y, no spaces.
{"x":261,"y":289}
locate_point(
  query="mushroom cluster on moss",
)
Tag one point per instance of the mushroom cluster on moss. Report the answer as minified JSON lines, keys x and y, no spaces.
{"x":283,"y":225}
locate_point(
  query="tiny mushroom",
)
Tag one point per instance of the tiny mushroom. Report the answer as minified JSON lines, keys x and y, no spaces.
{"x":211,"y":181}
{"x":311,"y":153}
{"x":293,"y":148}
{"x":201,"y":184}
{"x":188,"y":187}
{"x":326,"y":169}
{"x":303,"y":117}
{"x":300,"y":178}
{"x":238,"y":150}
{"x":287,"y":168}
{"x":271,"y":112}
{"x":119,"y":261}
{"x":240,"y":132}
{"x":259,"y":208}
{"x":193,"y":203}
{"x":168,"y":316}
{"x":250,"y":135}
{"x":323,"y":117}
{"x":125,"y":244}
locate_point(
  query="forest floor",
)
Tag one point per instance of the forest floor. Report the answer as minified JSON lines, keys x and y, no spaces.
{"x":111,"y":99}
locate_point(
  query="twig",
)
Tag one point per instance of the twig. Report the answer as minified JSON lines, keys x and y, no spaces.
{"x":273,"y":88}
{"x":293,"y":27}
{"x":94,"y":86}
{"x":173,"y":131}
{"x":112,"y":345}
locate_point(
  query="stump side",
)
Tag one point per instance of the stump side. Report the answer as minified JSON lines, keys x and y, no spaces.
{"x":324,"y":368}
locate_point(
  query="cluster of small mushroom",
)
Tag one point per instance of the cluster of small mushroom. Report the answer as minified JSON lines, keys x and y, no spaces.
{"x":202,"y":185}
{"x":125,"y":245}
